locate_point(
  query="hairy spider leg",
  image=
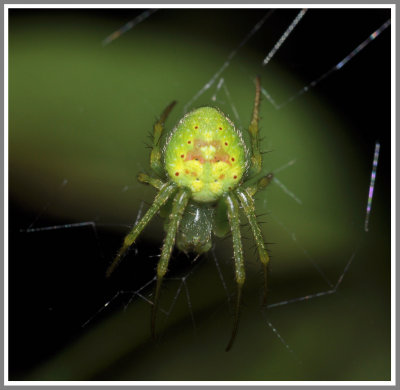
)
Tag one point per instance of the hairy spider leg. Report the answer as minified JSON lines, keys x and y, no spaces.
{"x":256,"y":159}
{"x":146,"y":179}
{"x":179,"y":204}
{"x":161,"y":198}
{"x":248,"y":206}
{"x":234,"y":221}
{"x":155,"y":156}
{"x":221,"y":226}
{"x":252,"y":189}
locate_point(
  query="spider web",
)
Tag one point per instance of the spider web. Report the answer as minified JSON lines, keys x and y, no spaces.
{"x":333,"y":277}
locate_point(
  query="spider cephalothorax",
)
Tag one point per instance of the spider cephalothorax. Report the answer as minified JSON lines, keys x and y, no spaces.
{"x":207,"y":167}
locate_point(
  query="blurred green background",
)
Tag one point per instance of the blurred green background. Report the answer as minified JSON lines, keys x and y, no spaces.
{"x":79,"y":118}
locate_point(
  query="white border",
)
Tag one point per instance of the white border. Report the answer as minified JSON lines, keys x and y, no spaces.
{"x":204,"y":383}
{"x":392,"y":382}
{"x":187,"y":6}
{"x":393,"y":193}
{"x":5,"y":140}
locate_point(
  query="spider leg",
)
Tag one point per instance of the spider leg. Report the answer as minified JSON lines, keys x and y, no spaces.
{"x":180,"y":202}
{"x":248,"y":206}
{"x":234,"y":220}
{"x":165,"y":192}
{"x":155,"y":157}
{"x":256,"y":159}
{"x":252,"y":189}
{"x":146,"y":179}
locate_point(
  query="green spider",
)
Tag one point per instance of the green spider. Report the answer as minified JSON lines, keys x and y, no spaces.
{"x":206,"y":167}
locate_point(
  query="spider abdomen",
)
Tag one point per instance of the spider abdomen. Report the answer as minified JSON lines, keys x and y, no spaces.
{"x":195,"y":228}
{"x":206,"y":154}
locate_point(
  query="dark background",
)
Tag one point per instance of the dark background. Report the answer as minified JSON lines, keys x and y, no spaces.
{"x":56,"y":277}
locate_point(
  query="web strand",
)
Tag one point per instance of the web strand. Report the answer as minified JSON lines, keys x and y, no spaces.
{"x":227,"y":62}
{"x":304,"y":251}
{"x":332,"y":70}
{"x":287,"y":191}
{"x":284,"y":36}
{"x":281,"y":339}
{"x":128,"y":26}
{"x":372,"y":185}
{"x":47,"y":205}
{"x":321,"y":293}
{"x":221,"y":276}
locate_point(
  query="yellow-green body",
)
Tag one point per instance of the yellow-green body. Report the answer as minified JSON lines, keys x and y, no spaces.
{"x":202,"y":170}
{"x":206,"y":154}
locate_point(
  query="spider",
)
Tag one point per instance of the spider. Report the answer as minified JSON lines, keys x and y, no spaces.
{"x":207,"y":169}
